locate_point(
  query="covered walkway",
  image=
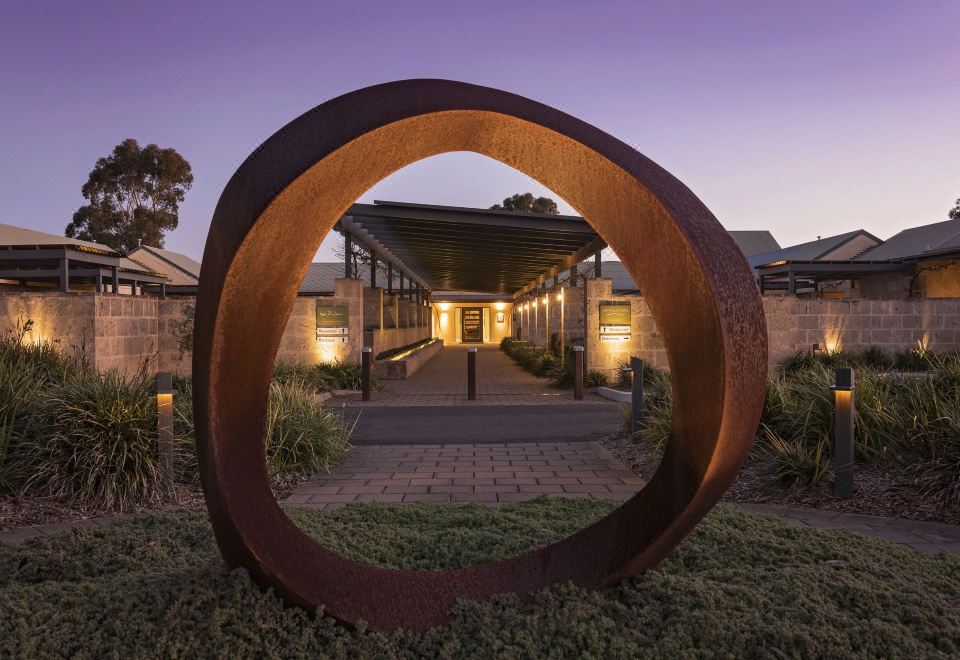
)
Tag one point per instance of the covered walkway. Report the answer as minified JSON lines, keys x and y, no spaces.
{"x":512,"y":406}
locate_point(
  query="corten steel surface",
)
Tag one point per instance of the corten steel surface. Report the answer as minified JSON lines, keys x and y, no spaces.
{"x":268,"y":224}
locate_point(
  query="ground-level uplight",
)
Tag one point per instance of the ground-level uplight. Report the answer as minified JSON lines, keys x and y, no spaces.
{"x":165,"y":394}
{"x":843,"y":427}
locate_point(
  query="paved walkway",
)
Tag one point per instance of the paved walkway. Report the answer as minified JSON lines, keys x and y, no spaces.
{"x":442,"y":381}
{"x":431,"y":407}
{"x":512,"y":472}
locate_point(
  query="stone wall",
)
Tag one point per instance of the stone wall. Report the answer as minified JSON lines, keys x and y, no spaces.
{"x":67,"y":319}
{"x":126,"y":329}
{"x":793,"y":324}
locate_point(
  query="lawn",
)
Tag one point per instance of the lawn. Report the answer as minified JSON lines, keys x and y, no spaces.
{"x":740,"y":585}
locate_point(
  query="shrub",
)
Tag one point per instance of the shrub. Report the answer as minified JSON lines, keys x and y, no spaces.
{"x":95,"y":442}
{"x":302,"y":435}
{"x":325,"y":376}
{"x":594,"y":378}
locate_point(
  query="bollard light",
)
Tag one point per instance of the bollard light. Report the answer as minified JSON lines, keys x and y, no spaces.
{"x":843,"y":430}
{"x":578,"y":373}
{"x":817,"y":351}
{"x":471,"y":374}
{"x":365,"y":366}
{"x":165,"y":394}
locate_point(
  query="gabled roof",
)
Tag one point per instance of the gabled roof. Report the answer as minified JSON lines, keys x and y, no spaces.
{"x":11,"y":235}
{"x":181,"y":269}
{"x":753,"y":242}
{"x":918,"y":241}
{"x":321,"y":277}
{"x":820,"y":249}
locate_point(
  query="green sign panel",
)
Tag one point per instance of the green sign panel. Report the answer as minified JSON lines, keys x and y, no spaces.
{"x":333,"y":320}
{"x":615,"y":314}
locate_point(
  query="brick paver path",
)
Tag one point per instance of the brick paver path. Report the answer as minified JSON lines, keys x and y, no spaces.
{"x":442,"y":381}
{"x":469,"y":473}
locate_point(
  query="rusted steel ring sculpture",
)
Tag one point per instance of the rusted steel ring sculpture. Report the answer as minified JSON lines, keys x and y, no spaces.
{"x":267,"y":226}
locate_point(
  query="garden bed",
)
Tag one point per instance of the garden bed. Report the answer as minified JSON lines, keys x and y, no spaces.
{"x":403,"y":363}
{"x":740,"y":585}
{"x":878,"y":490}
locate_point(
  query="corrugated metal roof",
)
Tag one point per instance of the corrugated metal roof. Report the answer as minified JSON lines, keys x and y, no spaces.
{"x":181,"y":269}
{"x":753,"y":242}
{"x":321,"y":277}
{"x":913,"y":242}
{"x":21,"y":236}
{"x":809,"y":251}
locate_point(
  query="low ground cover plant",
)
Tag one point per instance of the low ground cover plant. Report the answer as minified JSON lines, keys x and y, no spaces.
{"x":554,"y":361}
{"x":89,"y":439}
{"x":906,"y":420}
{"x":740,"y":585}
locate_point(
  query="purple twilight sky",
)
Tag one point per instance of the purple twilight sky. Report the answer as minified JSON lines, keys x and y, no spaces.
{"x":805,"y":118}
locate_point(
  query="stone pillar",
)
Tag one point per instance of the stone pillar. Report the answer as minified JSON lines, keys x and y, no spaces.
{"x":390,"y":316}
{"x":373,"y":309}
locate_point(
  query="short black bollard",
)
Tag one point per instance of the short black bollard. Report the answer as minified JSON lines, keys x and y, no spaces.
{"x":843,"y":428}
{"x":471,"y":374}
{"x":366,"y":363}
{"x":165,"y":394}
{"x":578,"y":372}
{"x":636,"y":392}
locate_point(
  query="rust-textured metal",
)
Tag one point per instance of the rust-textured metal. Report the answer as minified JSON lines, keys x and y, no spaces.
{"x":267,"y":226}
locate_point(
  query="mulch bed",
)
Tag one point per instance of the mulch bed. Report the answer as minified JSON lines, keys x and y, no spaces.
{"x":878,"y":490}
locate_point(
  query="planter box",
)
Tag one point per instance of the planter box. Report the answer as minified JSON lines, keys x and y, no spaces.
{"x":407,"y":366}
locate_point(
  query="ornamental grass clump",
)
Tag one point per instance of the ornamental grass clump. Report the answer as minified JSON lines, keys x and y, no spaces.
{"x":94,"y":442}
{"x":26,"y":370}
{"x":325,"y":376}
{"x":302,"y":435}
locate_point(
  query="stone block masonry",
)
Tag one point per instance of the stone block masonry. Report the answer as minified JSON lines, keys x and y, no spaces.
{"x":793,"y":324}
{"x":129,"y":333}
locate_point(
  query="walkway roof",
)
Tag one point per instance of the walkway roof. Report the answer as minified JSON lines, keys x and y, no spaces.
{"x":462,"y":249}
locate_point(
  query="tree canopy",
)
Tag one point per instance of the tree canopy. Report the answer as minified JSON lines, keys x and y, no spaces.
{"x":954,"y":213}
{"x":134,"y":195}
{"x":527,"y":203}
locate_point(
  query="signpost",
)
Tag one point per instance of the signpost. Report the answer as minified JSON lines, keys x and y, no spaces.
{"x":614,"y":320}
{"x":333,"y":324}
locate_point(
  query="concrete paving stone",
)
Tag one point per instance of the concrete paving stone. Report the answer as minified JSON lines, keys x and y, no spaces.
{"x":924,"y":526}
{"x":873,"y":521}
{"x":474,"y":497}
{"x":515,"y":482}
{"x":897,"y":536}
{"x":573,"y":495}
{"x":555,"y":481}
{"x":496,"y":489}
{"x":451,"y":489}
{"x":585,"y":488}
{"x":471,"y":481}
{"x":297,"y":498}
{"x":381,"y":497}
{"x":837,"y":524}
{"x":541,"y":488}
{"x":427,"y":497}
{"x":810,"y":514}
{"x":931,"y":548}
{"x":622,"y":488}
{"x":361,"y":490}
{"x":515,"y":497}
{"x":403,"y":490}
{"x":388,"y":481}
{"x":332,"y":498}
{"x":320,"y":490}
{"x":431,"y":482}
{"x":20,"y":535}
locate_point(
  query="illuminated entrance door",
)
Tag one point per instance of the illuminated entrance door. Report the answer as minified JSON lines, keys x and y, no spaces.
{"x":471,"y":325}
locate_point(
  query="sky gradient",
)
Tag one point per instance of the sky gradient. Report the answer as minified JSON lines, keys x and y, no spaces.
{"x":807,"y":119}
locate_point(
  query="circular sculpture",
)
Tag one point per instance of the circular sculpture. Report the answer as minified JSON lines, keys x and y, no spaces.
{"x":269,"y":223}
